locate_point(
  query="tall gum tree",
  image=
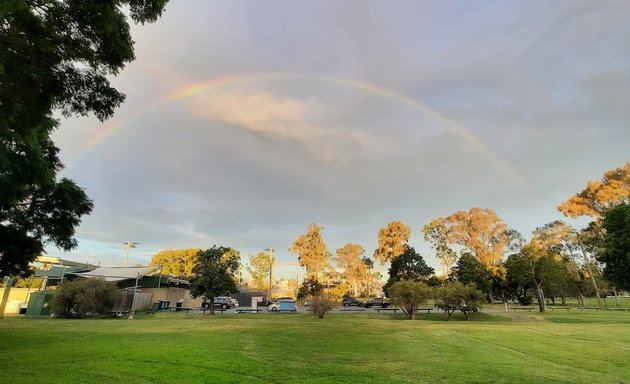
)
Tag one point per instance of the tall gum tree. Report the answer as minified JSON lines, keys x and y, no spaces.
{"x":595,"y":200}
{"x":559,"y":238}
{"x":391,"y":241}
{"x":349,"y":258}
{"x":260,"y":269}
{"x":435,"y":234}
{"x":312,"y":252}
{"x":598,"y":196}
{"x":480,"y":232}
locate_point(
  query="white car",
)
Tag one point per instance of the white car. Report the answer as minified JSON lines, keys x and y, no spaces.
{"x":273,"y":306}
{"x":283,"y":305}
{"x":235,"y":303}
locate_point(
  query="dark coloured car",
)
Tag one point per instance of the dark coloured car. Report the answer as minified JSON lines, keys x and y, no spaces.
{"x":223,"y":302}
{"x":377,"y":302}
{"x":351,"y":302}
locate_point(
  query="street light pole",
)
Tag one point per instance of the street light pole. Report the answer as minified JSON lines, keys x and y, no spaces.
{"x":128,"y":245}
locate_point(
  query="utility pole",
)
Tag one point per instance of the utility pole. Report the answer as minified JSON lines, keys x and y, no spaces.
{"x":132,"y":311}
{"x":270,"y":250}
{"x":128,"y":244}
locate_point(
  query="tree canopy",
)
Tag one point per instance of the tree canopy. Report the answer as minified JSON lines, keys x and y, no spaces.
{"x":409,"y":295}
{"x":436,"y":234}
{"x":598,"y":196}
{"x":536,"y":271}
{"x":260,"y":268}
{"x":479,"y":231}
{"x":312,"y":251}
{"x":615,"y":252}
{"x":214,"y":273}
{"x":410,"y":265}
{"x":349,"y":258}
{"x":391,"y":241}
{"x":54,"y":55}
{"x":457,"y":296}
{"x":469,"y":270}
{"x":176,"y":262}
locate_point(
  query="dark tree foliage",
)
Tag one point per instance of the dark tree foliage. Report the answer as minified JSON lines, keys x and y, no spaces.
{"x":54,"y":55}
{"x":84,"y":298}
{"x":615,"y":252}
{"x":469,"y":270}
{"x":536,"y":273}
{"x":214,"y":274}
{"x":310,"y":287}
{"x":408,"y":266}
{"x":520,"y":279}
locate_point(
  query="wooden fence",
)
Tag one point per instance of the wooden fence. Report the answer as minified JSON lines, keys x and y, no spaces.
{"x":124,"y":300}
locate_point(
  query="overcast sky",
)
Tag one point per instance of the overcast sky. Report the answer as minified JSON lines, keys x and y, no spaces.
{"x":246,"y":121}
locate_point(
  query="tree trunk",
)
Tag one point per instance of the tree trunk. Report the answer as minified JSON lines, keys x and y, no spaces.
{"x":5,"y":296}
{"x":590,"y":272}
{"x":615,"y":293}
{"x":563,"y":300}
{"x":540,"y":296}
{"x":412,"y":314}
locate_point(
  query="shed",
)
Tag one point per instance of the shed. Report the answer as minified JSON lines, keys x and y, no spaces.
{"x":39,"y":304}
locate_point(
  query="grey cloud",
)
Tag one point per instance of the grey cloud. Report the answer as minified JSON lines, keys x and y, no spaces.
{"x":544,"y":87}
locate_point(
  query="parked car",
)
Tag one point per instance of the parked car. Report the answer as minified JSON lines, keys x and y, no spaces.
{"x":276,"y":300}
{"x":223,"y":302}
{"x":377,"y":302}
{"x":283,"y":305}
{"x":351,"y":302}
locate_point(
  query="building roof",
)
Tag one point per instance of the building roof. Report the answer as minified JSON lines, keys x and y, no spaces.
{"x":57,"y":272}
{"x":118,"y":273}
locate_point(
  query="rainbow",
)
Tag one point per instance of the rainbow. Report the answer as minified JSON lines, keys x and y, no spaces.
{"x":370,"y":88}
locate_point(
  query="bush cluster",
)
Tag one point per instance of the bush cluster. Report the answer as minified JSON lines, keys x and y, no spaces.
{"x":84,"y":298}
{"x":455,"y":296}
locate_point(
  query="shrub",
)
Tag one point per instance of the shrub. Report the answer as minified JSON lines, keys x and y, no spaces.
{"x":409,"y":295}
{"x":457,"y":296}
{"x":320,"y":305}
{"x":84,"y":298}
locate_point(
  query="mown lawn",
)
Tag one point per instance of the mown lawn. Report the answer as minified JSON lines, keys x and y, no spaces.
{"x":580,"y":347}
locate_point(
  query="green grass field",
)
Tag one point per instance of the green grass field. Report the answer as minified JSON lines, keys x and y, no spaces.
{"x":568,"y":347}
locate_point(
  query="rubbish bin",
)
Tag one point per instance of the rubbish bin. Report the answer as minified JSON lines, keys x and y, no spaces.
{"x":156,"y":306}
{"x":163,"y":304}
{"x":178,"y":305}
